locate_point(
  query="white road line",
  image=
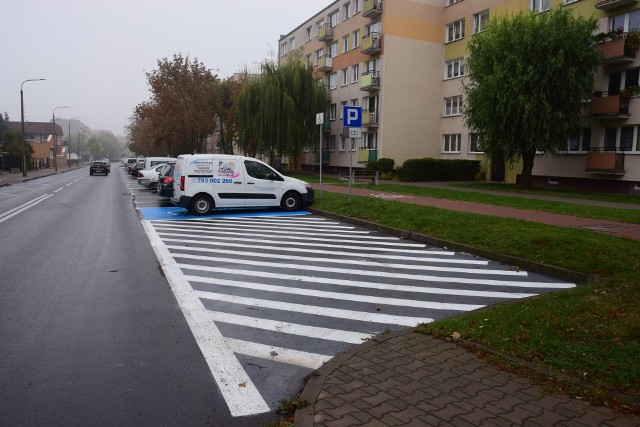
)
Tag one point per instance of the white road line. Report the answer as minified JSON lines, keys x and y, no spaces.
{"x":278,"y":354}
{"x":443,"y":279}
{"x":301,"y":231}
{"x":273,"y":224}
{"x":290,"y":328}
{"x":315,"y":310}
{"x":430,"y":305}
{"x":281,"y":248}
{"x":71,"y":183}
{"x":476,"y":271}
{"x":59,"y":189}
{"x":368,"y":240}
{"x":15,"y":211}
{"x":236,"y":386}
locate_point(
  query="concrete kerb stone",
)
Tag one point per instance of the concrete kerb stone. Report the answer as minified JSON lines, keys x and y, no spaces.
{"x":550,"y":270}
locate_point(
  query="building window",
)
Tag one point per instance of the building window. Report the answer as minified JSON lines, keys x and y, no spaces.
{"x":346,"y":11}
{"x":539,"y":5}
{"x":451,"y":143}
{"x":283,"y":49}
{"x":319,"y":55}
{"x":345,"y":44}
{"x":370,"y":141}
{"x":581,"y":143}
{"x":308,"y":36}
{"x":333,"y":112}
{"x":454,"y":68}
{"x":356,"y":6}
{"x":629,"y":22}
{"x":331,"y":143}
{"x":344,"y":76}
{"x":307,"y":60}
{"x":333,"y":81}
{"x":453,"y":106}
{"x":333,"y":50}
{"x":480,"y":21}
{"x":621,"y":139}
{"x":341,"y":112}
{"x":626,"y":138}
{"x":354,"y":102}
{"x":355,"y":73}
{"x":334,"y":20}
{"x":455,"y":31}
{"x":450,"y":2}
{"x":356,"y":39}
{"x":292,"y":44}
{"x":343,"y":143}
{"x":475,"y":145}
{"x":319,"y":24}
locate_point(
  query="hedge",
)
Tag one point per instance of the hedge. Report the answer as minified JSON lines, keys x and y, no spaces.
{"x":416,"y":170}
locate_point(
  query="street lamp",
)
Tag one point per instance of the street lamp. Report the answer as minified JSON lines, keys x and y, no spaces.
{"x":24,"y":145}
{"x":55,"y":139}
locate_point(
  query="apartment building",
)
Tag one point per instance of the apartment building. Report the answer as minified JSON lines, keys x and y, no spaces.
{"x":403,"y":62}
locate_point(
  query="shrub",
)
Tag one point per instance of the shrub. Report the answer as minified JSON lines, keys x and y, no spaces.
{"x":415,"y":170}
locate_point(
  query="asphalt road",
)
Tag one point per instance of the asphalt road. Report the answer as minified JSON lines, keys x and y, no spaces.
{"x":90,"y":332}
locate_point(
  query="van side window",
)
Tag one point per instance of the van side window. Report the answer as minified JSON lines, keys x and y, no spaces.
{"x":258,"y":170}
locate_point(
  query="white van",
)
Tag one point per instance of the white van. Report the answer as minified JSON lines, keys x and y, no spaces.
{"x":203,"y":182}
{"x":150,"y":162}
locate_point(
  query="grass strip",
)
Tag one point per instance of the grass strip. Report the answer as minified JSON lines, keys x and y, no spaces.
{"x":591,"y":332}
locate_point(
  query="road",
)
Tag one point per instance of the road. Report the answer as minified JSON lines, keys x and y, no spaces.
{"x":90,"y":331}
{"x":120,"y":308}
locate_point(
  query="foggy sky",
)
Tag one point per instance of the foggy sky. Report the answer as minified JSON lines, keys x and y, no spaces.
{"x":94,"y":53}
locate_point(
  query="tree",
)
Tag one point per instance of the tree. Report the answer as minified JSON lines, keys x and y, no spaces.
{"x":528,"y":78}
{"x":229,"y":90}
{"x":276,"y":111}
{"x":181,"y":112}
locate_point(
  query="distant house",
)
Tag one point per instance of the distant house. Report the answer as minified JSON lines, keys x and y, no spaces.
{"x":42,"y":137}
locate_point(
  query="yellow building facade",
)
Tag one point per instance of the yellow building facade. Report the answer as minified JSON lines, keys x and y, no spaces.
{"x":402,"y":61}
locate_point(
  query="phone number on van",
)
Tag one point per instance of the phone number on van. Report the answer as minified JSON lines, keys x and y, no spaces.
{"x":212,"y":180}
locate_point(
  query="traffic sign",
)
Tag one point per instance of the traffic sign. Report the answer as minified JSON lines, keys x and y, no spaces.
{"x":352,"y":116}
{"x":353,"y":133}
{"x":320,"y":118}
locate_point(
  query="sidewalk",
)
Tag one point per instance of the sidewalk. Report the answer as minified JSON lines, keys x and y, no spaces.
{"x":406,"y":378}
{"x":14,"y":178}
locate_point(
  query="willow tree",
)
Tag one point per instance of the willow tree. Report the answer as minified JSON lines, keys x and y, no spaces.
{"x":275,"y":112}
{"x":528,"y":78}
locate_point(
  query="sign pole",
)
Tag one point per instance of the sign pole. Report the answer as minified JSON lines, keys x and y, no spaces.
{"x":350,"y":167}
{"x":320,"y":122}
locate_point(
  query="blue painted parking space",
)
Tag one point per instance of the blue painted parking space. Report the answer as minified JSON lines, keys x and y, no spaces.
{"x":181,"y":214}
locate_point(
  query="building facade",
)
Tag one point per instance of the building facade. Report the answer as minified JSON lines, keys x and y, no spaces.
{"x":402,"y":61}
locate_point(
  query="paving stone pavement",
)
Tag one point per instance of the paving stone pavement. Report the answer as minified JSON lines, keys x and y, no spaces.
{"x":412,"y":379}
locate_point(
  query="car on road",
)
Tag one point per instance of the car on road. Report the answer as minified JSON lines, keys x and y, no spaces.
{"x":149,"y":177}
{"x":165,"y":181}
{"x":137,"y":167}
{"x":98,"y":167}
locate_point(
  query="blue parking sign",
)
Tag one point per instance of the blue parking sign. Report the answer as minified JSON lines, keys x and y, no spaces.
{"x":352,"y":116}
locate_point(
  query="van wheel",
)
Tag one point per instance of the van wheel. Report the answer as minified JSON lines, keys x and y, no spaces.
{"x":201,"y":204}
{"x":291,"y":202}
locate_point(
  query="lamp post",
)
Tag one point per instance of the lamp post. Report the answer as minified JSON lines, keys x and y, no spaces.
{"x":24,"y":144}
{"x":55,"y":139}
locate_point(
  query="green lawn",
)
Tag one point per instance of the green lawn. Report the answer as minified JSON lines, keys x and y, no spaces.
{"x":590,"y":333}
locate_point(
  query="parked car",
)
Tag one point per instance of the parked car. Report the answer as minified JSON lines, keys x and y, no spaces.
{"x":166,"y":169}
{"x":98,"y":167}
{"x":107,"y":162}
{"x":130,"y":163}
{"x":149,"y":177}
{"x":137,"y":167}
{"x":165,"y":188}
{"x":207,"y":181}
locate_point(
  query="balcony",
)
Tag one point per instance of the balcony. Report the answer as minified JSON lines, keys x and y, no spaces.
{"x":370,"y":81}
{"x":601,"y":161}
{"x":371,"y":44}
{"x":616,"y":51}
{"x":369,"y":119}
{"x":325,"y":33}
{"x":325,"y":64}
{"x":609,"y":107}
{"x":367,"y":156}
{"x":613,"y":4}
{"x":372,"y":8}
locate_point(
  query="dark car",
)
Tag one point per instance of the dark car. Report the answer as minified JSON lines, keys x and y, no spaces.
{"x":136,"y":168}
{"x":99,"y":167}
{"x":165,"y":182}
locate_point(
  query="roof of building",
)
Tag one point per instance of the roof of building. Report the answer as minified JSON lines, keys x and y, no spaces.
{"x":35,"y":127}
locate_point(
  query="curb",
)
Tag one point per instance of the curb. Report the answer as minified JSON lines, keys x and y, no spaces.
{"x":551,"y":270}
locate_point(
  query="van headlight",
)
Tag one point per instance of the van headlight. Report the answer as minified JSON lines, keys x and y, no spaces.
{"x":307,"y":185}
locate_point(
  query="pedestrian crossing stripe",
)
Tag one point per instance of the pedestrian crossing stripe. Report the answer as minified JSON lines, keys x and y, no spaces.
{"x":181,"y":214}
